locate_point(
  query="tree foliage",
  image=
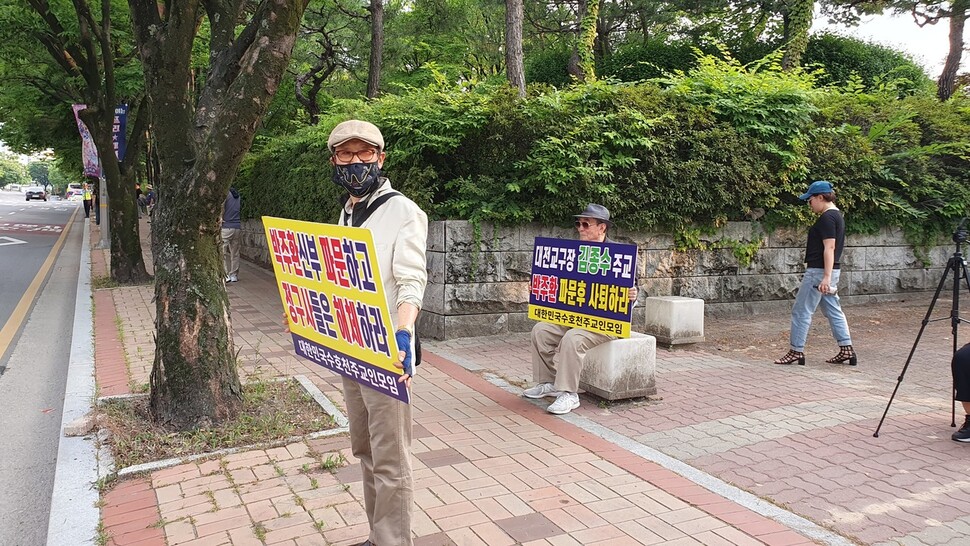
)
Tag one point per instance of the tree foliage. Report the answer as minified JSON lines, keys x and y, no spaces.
{"x":720,"y":142}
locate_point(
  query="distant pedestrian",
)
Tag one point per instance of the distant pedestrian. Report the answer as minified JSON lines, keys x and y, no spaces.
{"x":140,"y":201}
{"x":231,"y":225}
{"x":87,"y":197}
{"x":823,"y":254}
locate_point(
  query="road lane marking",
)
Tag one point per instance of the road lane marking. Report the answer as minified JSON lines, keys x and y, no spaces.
{"x":20,"y":312}
{"x":11,"y":241}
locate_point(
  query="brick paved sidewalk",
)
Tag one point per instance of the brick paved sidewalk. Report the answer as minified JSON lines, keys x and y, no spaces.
{"x":492,"y":468}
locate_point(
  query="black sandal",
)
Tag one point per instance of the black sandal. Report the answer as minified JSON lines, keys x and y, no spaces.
{"x":792,"y":357}
{"x":845,"y":354}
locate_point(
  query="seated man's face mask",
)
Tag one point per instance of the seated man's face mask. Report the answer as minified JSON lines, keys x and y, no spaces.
{"x":359,"y":179}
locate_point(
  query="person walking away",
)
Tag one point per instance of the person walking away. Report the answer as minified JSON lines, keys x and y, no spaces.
{"x":231,"y":225}
{"x":823,"y":253}
{"x":380,"y":426}
{"x":86,"y":197}
{"x":558,"y":351}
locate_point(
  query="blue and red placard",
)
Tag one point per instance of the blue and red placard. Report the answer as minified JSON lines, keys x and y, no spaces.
{"x":583,"y":284}
{"x":334,"y":301}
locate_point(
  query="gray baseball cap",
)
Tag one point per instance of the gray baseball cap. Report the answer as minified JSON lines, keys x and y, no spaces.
{"x":355,"y":129}
{"x":596,"y":212}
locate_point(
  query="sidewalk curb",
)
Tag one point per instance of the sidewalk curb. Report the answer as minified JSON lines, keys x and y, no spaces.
{"x":74,"y":515}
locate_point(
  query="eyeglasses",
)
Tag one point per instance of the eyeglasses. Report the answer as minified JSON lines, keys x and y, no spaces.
{"x":584,"y":224}
{"x":365,"y":156}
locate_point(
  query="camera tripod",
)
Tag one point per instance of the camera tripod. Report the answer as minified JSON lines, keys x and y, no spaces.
{"x":958,"y":266}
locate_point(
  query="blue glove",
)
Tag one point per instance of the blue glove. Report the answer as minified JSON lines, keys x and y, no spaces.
{"x":405,"y":342}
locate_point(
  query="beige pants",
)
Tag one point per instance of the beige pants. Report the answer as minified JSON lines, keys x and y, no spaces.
{"x":230,"y":250}
{"x":380,"y":436}
{"x":558,"y":353}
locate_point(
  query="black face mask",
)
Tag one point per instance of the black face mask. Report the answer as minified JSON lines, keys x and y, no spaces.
{"x":359,"y":179}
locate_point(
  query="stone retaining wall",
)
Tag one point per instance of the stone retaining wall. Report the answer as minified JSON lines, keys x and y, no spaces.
{"x":481,"y":288}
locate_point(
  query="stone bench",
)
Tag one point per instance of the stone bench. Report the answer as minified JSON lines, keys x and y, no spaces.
{"x":621,"y":368}
{"x":675,"y":320}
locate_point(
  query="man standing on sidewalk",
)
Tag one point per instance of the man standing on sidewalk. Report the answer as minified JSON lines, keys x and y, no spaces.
{"x":231,"y":225}
{"x":558,"y":351}
{"x":380,"y":426}
{"x":86,"y":197}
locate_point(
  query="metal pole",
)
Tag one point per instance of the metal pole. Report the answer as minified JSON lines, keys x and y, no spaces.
{"x":105,"y":241}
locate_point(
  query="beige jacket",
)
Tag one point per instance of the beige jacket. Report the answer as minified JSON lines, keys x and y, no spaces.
{"x":400,"y":230}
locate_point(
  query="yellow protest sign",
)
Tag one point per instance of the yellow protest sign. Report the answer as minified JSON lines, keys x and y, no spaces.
{"x":331,"y":291}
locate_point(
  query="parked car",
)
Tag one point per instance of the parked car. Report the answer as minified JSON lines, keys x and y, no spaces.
{"x":35,"y":192}
{"x":75,"y":192}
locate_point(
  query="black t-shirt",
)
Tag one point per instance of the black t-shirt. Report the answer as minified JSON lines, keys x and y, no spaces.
{"x":829,"y":225}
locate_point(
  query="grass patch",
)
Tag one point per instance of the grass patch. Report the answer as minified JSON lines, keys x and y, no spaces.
{"x":272,"y":411}
{"x":103,"y":281}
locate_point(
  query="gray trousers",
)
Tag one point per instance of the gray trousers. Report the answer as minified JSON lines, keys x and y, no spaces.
{"x":380,"y":436}
{"x":230,"y":250}
{"x":558,"y":353}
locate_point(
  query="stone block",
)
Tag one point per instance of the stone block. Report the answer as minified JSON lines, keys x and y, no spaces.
{"x":656,"y":287}
{"x":520,"y":322}
{"x":874,"y":282}
{"x":621,"y":368}
{"x":644,"y":241}
{"x":886,"y":236}
{"x":853,"y":258}
{"x":788,"y":237}
{"x":499,"y":297}
{"x":529,"y":232}
{"x":742,"y":288}
{"x":436,"y":266}
{"x":769,"y":261}
{"x":744,"y":232}
{"x":82,"y":425}
{"x":460,"y":236}
{"x":891,"y":257}
{"x":488,"y":324}
{"x":487,"y":267}
{"x":705,"y":288}
{"x":434,"y":298}
{"x":436,"y":235}
{"x":431,"y":325}
{"x":675,"y":320}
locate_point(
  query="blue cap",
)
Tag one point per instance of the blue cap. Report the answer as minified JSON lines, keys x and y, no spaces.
{"x":817,"y":187}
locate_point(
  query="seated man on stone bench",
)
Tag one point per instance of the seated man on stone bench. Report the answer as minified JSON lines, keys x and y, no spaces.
{"x":558,"y":351}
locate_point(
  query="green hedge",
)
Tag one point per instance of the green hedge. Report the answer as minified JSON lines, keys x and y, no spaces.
{"x":723,"y":142}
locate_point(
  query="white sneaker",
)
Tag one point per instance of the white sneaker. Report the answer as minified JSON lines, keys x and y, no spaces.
{"x":565,"y":403}
{"x":541,"y":390}
{"x":232,"y":278}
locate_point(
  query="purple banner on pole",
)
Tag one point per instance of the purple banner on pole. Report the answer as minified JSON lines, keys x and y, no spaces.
{"x":118,"y":138}
{"x":374,"y":377}
{"x":89,"y":152}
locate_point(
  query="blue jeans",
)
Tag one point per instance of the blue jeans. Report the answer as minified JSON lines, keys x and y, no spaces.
{"x":807,"y":300}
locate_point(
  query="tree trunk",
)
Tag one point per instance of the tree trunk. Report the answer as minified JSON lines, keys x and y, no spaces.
{"x":376,"y":48}
{"x":514,"y":69}
{"x":127,"y":260}
{"x":586,"y":42}
{"x":797,"y":24}
{"x":947,"y":81}
{"x":575,"y":66}
{"x":200,"y":143}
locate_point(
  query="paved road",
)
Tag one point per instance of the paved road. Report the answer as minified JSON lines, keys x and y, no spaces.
{"x":28,"y":232}
{"x":37,"y":354}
